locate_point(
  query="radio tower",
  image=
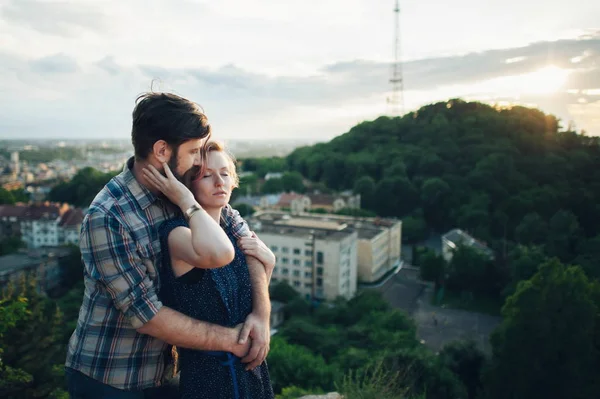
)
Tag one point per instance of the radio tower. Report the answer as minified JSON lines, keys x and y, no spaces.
{"x":396,"y":101}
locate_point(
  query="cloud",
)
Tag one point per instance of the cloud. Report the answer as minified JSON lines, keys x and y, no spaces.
{"x":57,"y":63}
{"x":67,"y":97}
{"x":61,"y":18}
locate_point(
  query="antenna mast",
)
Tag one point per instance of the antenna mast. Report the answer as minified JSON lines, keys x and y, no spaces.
{"x":396,"y":101}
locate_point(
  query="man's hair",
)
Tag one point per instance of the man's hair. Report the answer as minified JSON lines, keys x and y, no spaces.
{"x":168,"y":117}
{"x":219,"y":147}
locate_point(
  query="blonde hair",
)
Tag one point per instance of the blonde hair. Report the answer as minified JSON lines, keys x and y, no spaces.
{"x":220,"y":147}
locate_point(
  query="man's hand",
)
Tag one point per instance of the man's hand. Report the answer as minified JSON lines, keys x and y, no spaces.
{"x":254,"y":246}
{"x":257,"y":328}
{"x":238,"y":348}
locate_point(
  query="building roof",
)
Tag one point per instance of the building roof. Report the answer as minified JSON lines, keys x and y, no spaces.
{"x":322,"y":199}
{"x":303,"y":232}
{"x":459,"y":237}
{"x":287,"y":198}
{"x":45,"y":210}
{"x":367,"y":228}
{"x":12,"y":211}
{"x":71,"y":218}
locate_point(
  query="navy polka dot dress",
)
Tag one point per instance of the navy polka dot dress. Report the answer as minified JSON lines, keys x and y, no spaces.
{"x":221,"y":296}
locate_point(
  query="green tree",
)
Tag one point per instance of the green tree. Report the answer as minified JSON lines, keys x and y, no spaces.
{"x":563,"y":235}
{"x":365,"y":186}
{"x":283,"y":292}
{"x":532,"y":230}
{"x":298,"y":366}
{"x":10,"y":245}
{"x":245,"y":210}
{"x":466,"y":361}
{"x":6,"y":197}
{"x":432,"y":267}
{"x":414,"y":228}
{"x":537,"y":348}
{"x":293,"y":181}
{"x":272,"y":186}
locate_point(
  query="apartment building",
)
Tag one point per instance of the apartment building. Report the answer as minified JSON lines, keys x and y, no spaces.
{"x":323,"y":256}
{"x":42,"y":225}
{"x":317,"y":258}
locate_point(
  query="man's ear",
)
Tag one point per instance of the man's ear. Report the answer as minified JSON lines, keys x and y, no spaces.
{"x":161,"y":151}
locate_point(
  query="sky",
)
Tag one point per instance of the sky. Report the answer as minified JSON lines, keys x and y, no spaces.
{"x":278,"y":69}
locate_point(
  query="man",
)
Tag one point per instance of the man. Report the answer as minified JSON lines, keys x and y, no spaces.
{"x":119,"y":347}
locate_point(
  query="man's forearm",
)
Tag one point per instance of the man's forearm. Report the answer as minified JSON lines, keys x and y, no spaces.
{"x":180,"y":330}
{"x":261,"y":303}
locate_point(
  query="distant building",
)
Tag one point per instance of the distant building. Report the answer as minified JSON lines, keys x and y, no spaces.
{"x":273,"y":175}
{"x":452,"y":239}
{"x":316,"y":258}
{"x":43,"y":224}
{"x":318,"y":254}
{"x":14,"y":160}
{"x":299,"y":203}
{"x":43,"y":263}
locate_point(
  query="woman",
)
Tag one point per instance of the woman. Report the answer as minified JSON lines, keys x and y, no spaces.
{"x":194,"y":283}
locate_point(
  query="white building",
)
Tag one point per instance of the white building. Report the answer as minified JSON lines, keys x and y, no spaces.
{"x":452,"y":239}
{"x":318,"y":259}
{"x":378,"y":240}
{"x":43,"y":225}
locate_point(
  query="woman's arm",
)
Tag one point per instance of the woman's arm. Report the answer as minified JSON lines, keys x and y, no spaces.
{"x":204,"y":244}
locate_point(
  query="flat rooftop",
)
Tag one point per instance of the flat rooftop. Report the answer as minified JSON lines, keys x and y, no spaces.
{"x":367,"y":228}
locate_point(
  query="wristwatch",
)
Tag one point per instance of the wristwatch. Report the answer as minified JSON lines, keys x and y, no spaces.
{"x":190,"y":211}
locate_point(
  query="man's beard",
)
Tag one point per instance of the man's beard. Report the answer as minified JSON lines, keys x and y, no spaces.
{"x":187,"y":178}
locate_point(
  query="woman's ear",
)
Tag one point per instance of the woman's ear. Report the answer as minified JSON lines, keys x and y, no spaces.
{"x":161,"y":151}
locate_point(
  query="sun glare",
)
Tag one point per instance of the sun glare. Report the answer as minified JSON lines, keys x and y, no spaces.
{"x":544,"y":81}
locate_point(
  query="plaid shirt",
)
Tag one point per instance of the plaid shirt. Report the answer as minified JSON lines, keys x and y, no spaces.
{"x":120,"y":249}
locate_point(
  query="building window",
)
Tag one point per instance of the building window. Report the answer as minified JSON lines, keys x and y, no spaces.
{"x":319,"y":257}
{"x":296,"y":283}
{"x":285,"y":250}
{"x":275,"y":269}
{"x":296,"y":273}
{"x":296,"y":262}
{"x":308,"y":252}
{"x":307,"y":285}
{"x":308,"y":263}
{"x":319,"y":282}
{"x":296,"y":251}
{"x":308,"y":274}
{"x":319,"y":271}
{"x":285,"y":261}
{"x":285,"y":271}
{"x":274,"y":248}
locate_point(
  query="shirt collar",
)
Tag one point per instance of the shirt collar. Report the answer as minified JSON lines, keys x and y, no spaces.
{"x":142,"y":195}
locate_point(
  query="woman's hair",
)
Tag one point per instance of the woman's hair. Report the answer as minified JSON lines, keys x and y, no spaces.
{"x":219,"y":147}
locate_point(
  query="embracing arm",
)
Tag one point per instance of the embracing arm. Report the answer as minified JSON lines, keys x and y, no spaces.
{"x":177,"y":329}
{"x":111,"y":257}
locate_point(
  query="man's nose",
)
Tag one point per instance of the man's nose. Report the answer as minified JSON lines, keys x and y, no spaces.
{"x":198,"y":159}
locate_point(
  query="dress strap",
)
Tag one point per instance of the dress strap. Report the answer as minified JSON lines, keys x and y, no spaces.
{"x":231,"y":359}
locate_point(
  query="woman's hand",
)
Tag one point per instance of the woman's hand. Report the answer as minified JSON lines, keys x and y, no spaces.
{"x":254,"y":246}
{"x":172,"y":188}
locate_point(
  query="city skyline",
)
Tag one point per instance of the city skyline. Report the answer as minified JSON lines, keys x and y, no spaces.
{"x":287,"y":70}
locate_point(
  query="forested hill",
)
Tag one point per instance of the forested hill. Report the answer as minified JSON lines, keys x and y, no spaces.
{"x":501,"y":174}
